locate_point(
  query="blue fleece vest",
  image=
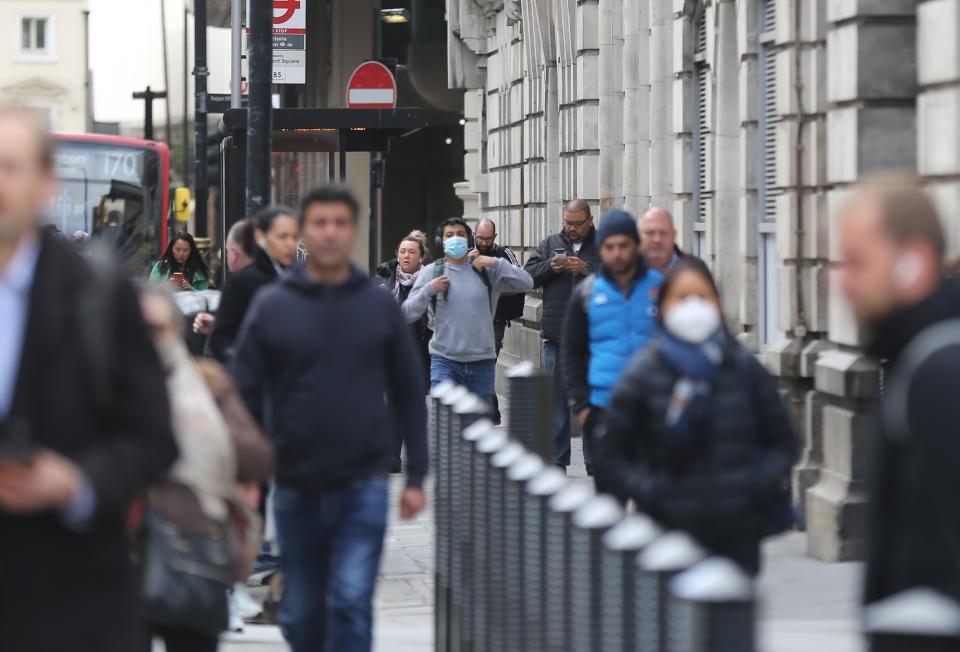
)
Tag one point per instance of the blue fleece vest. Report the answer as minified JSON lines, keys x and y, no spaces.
{"x":619,"y":327}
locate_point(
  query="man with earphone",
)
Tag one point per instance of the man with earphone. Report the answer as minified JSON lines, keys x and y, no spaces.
{"x":463,"y":291}
{"x":892,"y":244}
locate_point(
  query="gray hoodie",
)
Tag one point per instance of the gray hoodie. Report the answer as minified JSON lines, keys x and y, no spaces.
{"x":464,"y":321}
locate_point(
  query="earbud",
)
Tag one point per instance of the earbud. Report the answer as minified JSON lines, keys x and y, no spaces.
{"x":907,"y":271}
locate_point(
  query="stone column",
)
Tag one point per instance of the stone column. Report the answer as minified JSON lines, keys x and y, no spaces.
{"x":610,"y":89}
{"x":938,"y":108}
{"x":587,"y":98}
{"x":661,"y":103}
{"x":871,"y":88}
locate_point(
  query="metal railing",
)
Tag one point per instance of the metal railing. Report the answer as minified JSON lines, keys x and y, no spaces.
{"x":528,"y":560}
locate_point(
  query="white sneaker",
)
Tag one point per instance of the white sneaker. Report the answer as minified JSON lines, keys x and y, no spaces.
{"x":247,"y":606}
{"x":234,"y":621}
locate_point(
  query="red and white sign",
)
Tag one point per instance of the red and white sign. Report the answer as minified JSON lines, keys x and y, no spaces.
{"x":289,"y":16}
{"x":372,"y":86}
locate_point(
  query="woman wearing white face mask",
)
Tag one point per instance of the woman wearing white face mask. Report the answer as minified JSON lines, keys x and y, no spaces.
{"x":696,"y":433}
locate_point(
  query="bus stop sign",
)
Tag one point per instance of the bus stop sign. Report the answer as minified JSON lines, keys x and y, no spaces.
{"x":372,"y":86}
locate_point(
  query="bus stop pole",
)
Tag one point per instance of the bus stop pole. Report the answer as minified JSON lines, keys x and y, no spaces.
{"x":200,"y":72}
{"x":259,"y":124}
{"x":235,"y":53}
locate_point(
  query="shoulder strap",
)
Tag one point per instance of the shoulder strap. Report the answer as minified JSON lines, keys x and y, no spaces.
{"x":923,"y":347}
{"x":437,"y":273}
{"x":486,"y":281}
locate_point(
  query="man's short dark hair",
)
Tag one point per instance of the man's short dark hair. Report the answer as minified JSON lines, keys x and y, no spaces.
{"x":330,"y":194}
{"x":454,"y":221}
{"x":906,"y":210}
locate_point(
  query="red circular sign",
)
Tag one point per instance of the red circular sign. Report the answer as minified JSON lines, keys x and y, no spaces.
{"x":372,"y":86}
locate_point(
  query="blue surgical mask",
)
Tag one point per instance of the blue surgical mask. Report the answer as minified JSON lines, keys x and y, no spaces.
{"x":455,"y":247}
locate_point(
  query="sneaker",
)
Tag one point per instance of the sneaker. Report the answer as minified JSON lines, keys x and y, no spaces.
{"x":234,"y":621}
{"x":247,"y":607}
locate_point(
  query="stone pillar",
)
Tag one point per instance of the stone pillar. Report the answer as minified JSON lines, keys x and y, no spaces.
{"x":661,"y":103}
{"x":871,"y":88}
{"x":681,"y":121}
{"x":636,"y":105}
{"x":610,"y":89}
{"x":587,"y":98}
{"x":938,"y":108}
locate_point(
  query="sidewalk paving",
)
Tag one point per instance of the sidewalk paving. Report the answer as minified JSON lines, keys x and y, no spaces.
{"x":805,"y":605}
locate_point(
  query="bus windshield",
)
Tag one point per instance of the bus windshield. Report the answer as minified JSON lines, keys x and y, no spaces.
{"x":112,"y":193}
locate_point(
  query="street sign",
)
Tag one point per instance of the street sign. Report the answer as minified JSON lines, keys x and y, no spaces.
{"x":372,"y":86}
{"x":289,"y":42}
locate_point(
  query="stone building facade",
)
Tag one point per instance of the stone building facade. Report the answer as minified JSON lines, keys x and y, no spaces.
{"x":748,"y":120}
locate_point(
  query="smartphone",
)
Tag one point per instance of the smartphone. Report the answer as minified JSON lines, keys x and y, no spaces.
{"x":559,"y":252}
{"x":177,"y":277}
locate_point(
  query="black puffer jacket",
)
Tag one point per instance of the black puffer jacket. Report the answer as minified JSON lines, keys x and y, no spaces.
{"x":725,"y":490}
{"x":558,"y":287}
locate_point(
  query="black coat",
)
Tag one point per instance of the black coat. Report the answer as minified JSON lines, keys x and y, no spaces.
{"x":236,"y":298}
{"x":63,"y":590}
{"x":387,"y":279}
{"x":557,"y":287}
{"x":509,"y":306}
{"x":913,"y":524}
{"x":724,"y":490}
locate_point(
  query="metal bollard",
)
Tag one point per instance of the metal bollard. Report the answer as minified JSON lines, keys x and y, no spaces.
{"x":441,"y":512}
{"x":711,"y":609}
{"x":531,"y":408}
{"x":483,"y":625}
{"x":433,"y":417}
{"x":916,"y":620}
{"x":499,"y":547}
{"x":538,"y":492}
{"x":669,"y":554}
{"x":621,"y":544}
{"x":468,"y":623}
{"x":467,"y":411}
{"x":557,"y":578}
{"x":590,"y":522}
{"x":519,"y":473}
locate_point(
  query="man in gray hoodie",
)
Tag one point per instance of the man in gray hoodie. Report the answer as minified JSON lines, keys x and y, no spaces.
{"x":463,"y":292}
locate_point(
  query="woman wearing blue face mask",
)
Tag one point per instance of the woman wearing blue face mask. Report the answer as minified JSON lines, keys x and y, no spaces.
{"x":696,"y":433}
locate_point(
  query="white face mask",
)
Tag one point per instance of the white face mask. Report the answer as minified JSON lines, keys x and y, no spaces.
{"x":693,"y":320}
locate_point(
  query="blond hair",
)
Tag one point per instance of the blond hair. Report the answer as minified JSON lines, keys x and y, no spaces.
{"x":420,"y":238}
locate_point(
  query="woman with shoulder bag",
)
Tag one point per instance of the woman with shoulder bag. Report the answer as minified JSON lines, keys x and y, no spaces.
{"x":697,"y":434}
{"x":196,"y":528}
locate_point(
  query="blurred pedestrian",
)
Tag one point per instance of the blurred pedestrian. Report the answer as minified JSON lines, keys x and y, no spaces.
{"x":658,"y":240}
{"x":81,"y":240}
{"x":240,"y":253}
{"x":510,"y":305}
{"x":463,"y":292}
{"x":275,"y":247}
{"x":325,"y":361}
{"x":220,"y":446}
{"x":696,"y":432}
{"x":610,"y":317}
{"x":398,"y":276}
{"x":181,"y":265}
{"x":557,"y":265}
{"x":892,"y":244}
{"x":84,"y":422}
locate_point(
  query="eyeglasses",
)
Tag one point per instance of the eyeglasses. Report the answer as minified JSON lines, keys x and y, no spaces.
{"x":480,"y":238}
{"x":575,"y":225}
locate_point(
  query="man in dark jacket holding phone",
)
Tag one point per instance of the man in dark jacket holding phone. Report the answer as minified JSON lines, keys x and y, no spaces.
{"x":335,"y":391}
{"x":84,"y":422}
{"x":558,"y":265}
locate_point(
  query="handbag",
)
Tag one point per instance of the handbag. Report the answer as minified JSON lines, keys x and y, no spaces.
{"x":186,"y":576}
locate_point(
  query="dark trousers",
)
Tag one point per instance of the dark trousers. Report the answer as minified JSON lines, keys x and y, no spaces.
{"x":561,"y":411}
{"x":179,"y":640}
{"x":499,"y":331}
{"x":331,"y":545}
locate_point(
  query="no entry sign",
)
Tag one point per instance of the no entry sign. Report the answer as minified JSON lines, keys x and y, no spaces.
{"x":372,"y":86}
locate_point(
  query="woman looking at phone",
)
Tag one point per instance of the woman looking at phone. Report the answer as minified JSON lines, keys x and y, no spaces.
{"x":181,"y":265}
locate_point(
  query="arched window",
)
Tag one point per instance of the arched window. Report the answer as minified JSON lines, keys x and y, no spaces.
{"x":767,"y":191}
{"x":702,"y":193}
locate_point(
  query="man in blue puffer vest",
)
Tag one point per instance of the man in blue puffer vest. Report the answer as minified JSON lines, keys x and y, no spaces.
{"x":610,"y":317}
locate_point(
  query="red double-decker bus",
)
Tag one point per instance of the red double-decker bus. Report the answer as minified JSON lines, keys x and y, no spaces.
{"x":116,"y":190}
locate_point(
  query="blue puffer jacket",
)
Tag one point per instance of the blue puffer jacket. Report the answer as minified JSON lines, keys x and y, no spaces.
{"x":602,"y":330}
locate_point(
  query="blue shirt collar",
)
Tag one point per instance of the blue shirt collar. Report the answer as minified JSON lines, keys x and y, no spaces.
{"x":18,"y":276}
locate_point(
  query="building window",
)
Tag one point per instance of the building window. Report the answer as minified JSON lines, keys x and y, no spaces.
{"x":702,"y":193}
{"x":767,"y":191}
{"x":36,"y":37}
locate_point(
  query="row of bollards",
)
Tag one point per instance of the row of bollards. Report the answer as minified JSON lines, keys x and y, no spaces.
{"x":528,"y":560}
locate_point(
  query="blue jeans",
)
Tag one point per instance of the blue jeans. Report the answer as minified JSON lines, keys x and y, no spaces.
{"x":478,"y":377}
{"x":330,"y":551}
{"x":561,"y":410}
